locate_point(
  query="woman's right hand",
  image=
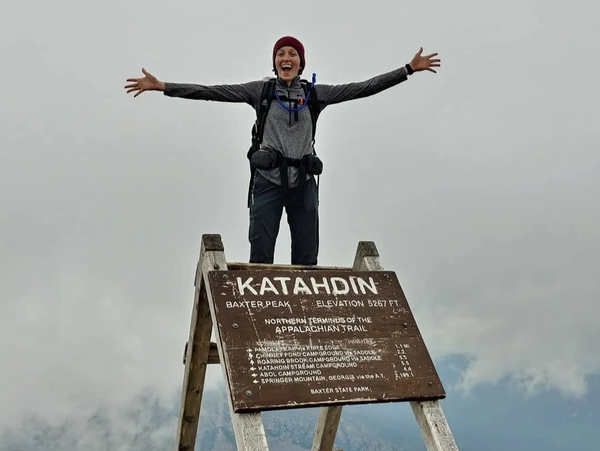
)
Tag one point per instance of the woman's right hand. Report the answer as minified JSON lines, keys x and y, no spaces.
{"x":147,"y":83}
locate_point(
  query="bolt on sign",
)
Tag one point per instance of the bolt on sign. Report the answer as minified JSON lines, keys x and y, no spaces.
{"x":305,"y":338}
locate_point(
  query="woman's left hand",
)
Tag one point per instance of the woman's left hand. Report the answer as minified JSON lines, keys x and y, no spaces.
{"x":424,"y":62}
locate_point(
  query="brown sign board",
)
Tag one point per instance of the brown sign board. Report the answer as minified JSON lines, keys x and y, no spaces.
{"x":305,"y":338}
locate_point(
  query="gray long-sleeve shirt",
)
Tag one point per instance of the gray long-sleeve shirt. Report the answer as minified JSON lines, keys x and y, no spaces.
{"x":285,"y":131}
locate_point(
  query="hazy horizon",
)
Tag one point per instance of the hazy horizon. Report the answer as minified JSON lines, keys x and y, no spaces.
{"x":477,"y":184}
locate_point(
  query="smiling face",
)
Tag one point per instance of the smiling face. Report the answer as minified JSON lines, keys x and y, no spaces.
{"x":287,"y":63}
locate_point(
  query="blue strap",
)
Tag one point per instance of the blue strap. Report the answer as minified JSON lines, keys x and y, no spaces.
{"x":305,"y":104}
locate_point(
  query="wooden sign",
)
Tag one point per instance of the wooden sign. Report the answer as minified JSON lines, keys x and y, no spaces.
{"x":303,"y":338}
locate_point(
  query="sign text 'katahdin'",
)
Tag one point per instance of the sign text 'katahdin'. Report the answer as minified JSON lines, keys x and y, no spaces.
{"x":312,"y":286}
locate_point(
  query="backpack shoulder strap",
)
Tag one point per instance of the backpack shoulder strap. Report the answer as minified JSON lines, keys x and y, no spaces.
{"x":313,"y":104}
{"x":259,"y":126}
{"x":263,"y":109}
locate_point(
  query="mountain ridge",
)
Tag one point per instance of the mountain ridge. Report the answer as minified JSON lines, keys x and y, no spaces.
{"x":494,"y":418}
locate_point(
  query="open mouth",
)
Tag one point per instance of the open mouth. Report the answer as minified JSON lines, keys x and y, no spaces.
{"x":286,"y":68}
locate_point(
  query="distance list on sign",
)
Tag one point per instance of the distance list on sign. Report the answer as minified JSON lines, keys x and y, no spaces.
{"x":324,"y":337}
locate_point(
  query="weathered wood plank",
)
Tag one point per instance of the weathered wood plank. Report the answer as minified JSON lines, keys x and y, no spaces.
{"x":195,"y":360}
{"x":366,"y":259}
{"x":327,"y":426}
{"x":213,"y":354}
{"x":434,"y":427}
{"x":430,"y":417}
{"x":366,"y":254}
{"x":234,"y":266}
{"x":248,"y":428}
{"x":378,"y":335}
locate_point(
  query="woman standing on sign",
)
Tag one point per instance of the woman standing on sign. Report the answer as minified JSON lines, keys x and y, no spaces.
{"x":282,"y":158}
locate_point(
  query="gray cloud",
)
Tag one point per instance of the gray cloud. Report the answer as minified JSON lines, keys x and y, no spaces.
{"x":478,"y":185}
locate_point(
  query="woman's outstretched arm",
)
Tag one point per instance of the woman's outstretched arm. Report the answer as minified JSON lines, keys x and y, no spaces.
{"x":248,"y":92}
{"x":331,"y":94}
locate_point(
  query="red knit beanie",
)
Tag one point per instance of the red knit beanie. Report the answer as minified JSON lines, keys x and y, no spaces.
{"x":292,"y":42}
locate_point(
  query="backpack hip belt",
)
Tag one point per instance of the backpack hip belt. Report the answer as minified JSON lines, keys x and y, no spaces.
{"x":270,"y":159}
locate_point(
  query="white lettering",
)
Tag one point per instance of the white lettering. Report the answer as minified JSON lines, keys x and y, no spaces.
{"x":336,"y":289}
{"x":316,"y":285}
{"x":320,"y":391}
{"x":283,"y":280}
{"x":246,"y":284}
{"x":300,"y":287}
{"x":341,"y":303}
{"x":267,"y":285}
{"x":370,"y":286}
{"x":257,"y":304}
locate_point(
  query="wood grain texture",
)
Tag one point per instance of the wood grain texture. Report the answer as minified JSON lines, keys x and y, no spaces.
{"x":212,"y":243}
{"x":248,"y":428}
{"x":213,"y":354}
{"x":195,"y":360}
{"x":289,"y":345}
{"x":366,"y":258}
{"x":434,"y":427}
{"x":327,"y":426}
{"x":239,"y":265}
{"x":363,"y":250}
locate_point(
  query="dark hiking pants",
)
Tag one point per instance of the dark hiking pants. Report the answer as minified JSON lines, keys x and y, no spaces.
{"x":266,"y":208}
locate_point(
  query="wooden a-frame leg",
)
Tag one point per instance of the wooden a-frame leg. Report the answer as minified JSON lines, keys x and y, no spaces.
{"x":327,"y":426}
{"x":434,"y":426}
{"x":366,"y":259}
{"x":248,"y":427}
{"x":195,"y":359}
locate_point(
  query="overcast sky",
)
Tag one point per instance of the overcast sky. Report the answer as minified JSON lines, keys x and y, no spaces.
{"x":479,"y":185}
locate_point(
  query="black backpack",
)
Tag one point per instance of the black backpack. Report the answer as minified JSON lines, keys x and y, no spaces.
{"x":261,"y":116}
